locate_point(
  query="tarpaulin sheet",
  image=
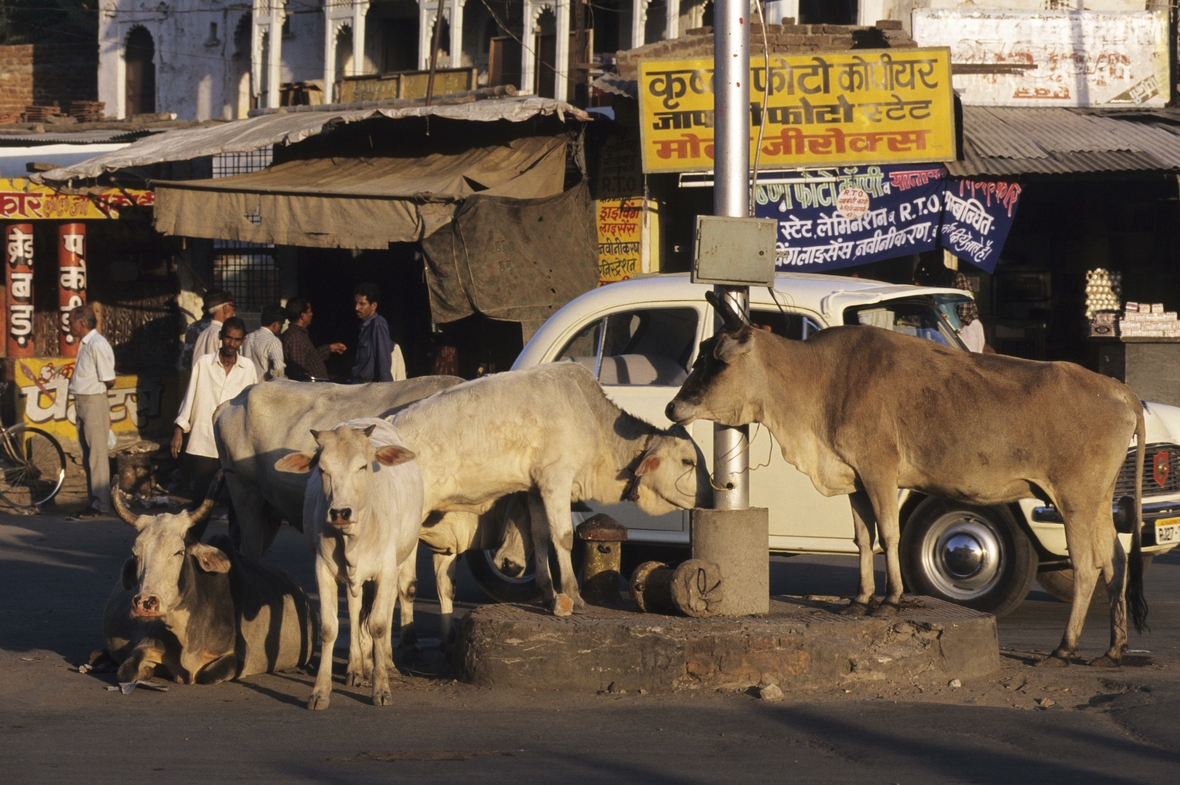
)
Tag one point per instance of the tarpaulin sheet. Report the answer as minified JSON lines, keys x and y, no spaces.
{"x":513,"y":259}
{"x":243,"y":136}
{"x":357,"y":202}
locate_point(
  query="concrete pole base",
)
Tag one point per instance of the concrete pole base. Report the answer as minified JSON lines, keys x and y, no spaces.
{"x":737,"y":542}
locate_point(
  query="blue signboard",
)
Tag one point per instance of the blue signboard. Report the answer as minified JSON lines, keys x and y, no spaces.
{"x":857,"y":215}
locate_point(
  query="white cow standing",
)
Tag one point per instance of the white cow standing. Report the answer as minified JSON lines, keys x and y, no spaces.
{"x":266,"y":422}
{"x":361,"y":515}
{"x":551,"y":431}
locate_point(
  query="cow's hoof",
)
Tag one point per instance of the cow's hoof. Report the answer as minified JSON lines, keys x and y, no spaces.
{"x":1105,"y":661}
{"x":318,"y":701}
{"x":886,"y":610}
{"x":1054,"y":660}
{"x":855,"y":609}
{"x":579,"y":606}
{"x":382,"y":697}
{"x":353,"y":679}
{"x":562,"y":605}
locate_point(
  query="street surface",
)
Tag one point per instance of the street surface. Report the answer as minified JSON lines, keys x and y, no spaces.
{"x":1021,"y":724}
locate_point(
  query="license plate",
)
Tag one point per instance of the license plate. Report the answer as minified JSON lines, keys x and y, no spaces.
{"x":1167,"y":531}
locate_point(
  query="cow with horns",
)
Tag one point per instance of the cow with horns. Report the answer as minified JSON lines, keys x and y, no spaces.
{"x":866,"y":411}
{"x":201,"y":613}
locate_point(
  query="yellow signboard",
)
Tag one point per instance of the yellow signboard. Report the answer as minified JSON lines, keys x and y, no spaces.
{"x":45,"y":400}
{"x":871,"y":106}
{"x":21,"y":200}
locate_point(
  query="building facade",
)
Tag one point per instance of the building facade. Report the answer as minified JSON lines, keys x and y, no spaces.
{"x":207,"y":59}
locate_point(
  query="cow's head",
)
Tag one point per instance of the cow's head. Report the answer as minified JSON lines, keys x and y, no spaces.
{"x":346,"y":460}
{"x":725,"y":370}
{"x":155,"y":572}
{"x":670,"y":474}
{"x":516,"y":542}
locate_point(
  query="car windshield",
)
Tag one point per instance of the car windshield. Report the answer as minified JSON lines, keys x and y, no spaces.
{"x":932,"y":318}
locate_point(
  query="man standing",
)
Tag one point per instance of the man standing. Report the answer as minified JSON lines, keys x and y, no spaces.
{"x":216,"y":378}
{"x":219,"y":304}
{"x":94,"y":374}
{"x":304,"y":359}
{"x":263,"y":347}
{"x":374,"y":347}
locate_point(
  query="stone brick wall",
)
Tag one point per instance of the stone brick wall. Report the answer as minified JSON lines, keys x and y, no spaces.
{"x":44,"y":73}
{"x":787,"y":38}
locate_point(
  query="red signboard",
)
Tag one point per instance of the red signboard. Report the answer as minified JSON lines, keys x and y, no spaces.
{"x":71,"y":281}
{"x":18,"y":253}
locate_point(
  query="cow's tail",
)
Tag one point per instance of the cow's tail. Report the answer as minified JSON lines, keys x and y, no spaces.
{"x":1136,"y":602}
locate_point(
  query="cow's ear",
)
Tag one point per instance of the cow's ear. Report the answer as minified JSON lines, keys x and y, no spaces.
{"x":296,"y":462}
{"x":648,"y":465}
{"x":392,"y":455}
{"x":369,"y":431}
{"x":127,"y":575}
{"x":211,"y":559}
{"x":730,"y":347}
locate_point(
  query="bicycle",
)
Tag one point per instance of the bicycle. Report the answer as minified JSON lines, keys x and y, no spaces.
{"x":32,"y":464}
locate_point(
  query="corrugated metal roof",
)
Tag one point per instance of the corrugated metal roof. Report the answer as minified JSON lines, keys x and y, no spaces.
{"x":258,"y":132}
{"x":1014,"y":141}
{"x":71,"y":137}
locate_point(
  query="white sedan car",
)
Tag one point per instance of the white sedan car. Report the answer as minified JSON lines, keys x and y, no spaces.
{"x":640,"y":338}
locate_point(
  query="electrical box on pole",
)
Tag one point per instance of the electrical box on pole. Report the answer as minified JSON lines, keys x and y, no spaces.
{"x":734,"y":251}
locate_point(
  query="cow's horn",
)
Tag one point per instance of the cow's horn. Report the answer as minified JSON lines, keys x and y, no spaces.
{"x":733,"y":319}
{"x":202,"y":512}
{"x":120,"y":506}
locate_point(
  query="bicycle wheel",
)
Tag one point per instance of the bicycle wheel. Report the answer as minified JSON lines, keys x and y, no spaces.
{"x":32,"y":466}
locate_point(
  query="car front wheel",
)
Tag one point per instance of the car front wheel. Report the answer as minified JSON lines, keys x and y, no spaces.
{"x":970,"y":555}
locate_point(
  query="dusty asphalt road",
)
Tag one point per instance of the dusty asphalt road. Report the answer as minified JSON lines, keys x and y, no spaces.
{"x":1022,"y":724}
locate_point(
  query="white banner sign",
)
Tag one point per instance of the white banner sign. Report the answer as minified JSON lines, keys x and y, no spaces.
{"x":1057,"y":58}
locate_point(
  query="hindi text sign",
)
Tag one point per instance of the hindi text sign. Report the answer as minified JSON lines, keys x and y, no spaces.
{"x":871,"y":106}
{"x":857,"y":215}
{"x":71,"y":281}
{"x":18,"y":255}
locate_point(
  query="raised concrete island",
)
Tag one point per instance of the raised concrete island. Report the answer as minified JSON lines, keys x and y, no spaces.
{"x":802,"y":644}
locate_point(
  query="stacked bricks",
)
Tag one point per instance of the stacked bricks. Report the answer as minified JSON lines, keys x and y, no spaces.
{"x":46,"y":74}
{"x":787,"y":38}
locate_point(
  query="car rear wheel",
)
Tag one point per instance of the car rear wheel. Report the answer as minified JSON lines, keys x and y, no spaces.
{"x":1059,"y":583}
{"x":506,"y":588}
{"x":970,"y":555}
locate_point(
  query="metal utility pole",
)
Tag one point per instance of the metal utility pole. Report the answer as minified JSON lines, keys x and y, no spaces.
{"x":731,"y":197}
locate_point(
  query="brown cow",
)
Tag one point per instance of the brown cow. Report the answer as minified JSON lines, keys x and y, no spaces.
{"x":866,"y":411}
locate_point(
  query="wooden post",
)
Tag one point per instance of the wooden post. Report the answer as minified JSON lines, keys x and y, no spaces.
{"x":18,"y":252}
{"x":71,"y":281}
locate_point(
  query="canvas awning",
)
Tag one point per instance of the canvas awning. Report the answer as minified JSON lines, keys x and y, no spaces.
{"x":363,"y":203}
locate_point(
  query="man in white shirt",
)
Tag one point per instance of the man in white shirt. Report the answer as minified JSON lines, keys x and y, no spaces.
{"x":216,"y":378}
{"x":263,"y":347}
{"x":94,"y":374}
{"x":219,"y":304}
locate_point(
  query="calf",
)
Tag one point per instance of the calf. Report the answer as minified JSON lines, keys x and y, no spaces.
{"x":202,"y":613}
{"x":505,"y":526}
{"x":866,"y":411}
{"x":361,"y":515}
{"x":551,"y":431}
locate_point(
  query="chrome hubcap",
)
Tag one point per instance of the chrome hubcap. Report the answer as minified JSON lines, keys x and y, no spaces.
{"x":962,"y":555}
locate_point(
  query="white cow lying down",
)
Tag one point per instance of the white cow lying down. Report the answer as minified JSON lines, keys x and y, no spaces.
{"x":551,"y":431}
{"x":361,"y":516}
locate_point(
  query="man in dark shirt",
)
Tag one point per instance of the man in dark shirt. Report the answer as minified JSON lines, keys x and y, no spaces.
{"x":304,"y":359}
{"x":374,"y":347}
